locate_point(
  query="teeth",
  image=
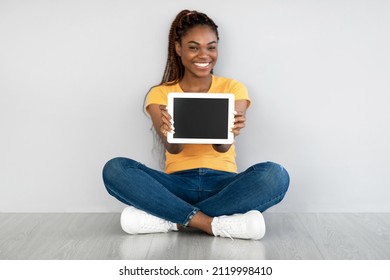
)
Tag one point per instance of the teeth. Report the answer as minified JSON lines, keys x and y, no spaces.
{"x":202,"y":64}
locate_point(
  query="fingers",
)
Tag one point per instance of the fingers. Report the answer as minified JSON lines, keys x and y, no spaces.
{"x":239,"y":122}
{"x":164,"y":111}
{"x":164,"y":129}
{"x":237,"y":128}
{"x":166,"y":121}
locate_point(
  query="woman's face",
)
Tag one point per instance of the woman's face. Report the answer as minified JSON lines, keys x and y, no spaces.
{"x":198,"y":50}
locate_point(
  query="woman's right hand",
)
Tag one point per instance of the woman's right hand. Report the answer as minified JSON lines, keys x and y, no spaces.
{"x":166,"y":121}
{"x":162,"y":123}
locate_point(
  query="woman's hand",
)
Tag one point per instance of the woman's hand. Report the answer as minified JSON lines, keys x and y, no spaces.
{"x":162,"y":123}
{"x":166,"y":121}
{"x":239,"y":122}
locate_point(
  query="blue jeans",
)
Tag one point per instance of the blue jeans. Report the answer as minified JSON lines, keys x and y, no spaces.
{"x":177,"y":197}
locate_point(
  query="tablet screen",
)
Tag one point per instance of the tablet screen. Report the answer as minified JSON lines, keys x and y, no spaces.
{"x":201,"y":117}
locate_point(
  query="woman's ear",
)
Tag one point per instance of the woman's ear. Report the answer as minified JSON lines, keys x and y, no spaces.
{"x":178,"y":48}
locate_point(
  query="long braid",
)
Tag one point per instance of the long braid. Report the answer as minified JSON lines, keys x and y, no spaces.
{"x":174,"y":67}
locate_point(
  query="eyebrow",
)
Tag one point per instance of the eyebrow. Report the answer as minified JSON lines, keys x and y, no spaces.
{"x":193,"y":42}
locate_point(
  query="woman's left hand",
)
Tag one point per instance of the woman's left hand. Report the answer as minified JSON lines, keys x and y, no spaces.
{"x":239,"y":122}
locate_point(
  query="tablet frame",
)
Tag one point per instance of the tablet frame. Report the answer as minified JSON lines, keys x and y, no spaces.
{"x":228,"y":96}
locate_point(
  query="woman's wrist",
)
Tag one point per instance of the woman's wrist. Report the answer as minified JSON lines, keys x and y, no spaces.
{"x":174,"y":148}
{"x":221,"y":148}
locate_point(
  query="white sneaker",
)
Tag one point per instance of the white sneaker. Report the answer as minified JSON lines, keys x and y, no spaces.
{"x":135,"y":221}
{"x":250,"y":225}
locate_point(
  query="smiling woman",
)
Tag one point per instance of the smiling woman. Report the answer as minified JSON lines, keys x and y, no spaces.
{"x":198,"y":51}
{"x":200,"y":187}
{"x":184,"y":22}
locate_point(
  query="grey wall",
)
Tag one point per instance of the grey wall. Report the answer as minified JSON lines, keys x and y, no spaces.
{"x":73,"y":75}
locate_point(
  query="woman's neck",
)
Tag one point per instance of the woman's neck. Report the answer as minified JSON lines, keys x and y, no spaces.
{"x":193,"y":84}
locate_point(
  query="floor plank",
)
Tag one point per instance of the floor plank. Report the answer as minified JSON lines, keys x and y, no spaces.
{"x":350,"y":236}
{"x":290,"y":236}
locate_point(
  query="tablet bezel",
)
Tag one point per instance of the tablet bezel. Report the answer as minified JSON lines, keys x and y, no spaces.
{"x":228,"y":96}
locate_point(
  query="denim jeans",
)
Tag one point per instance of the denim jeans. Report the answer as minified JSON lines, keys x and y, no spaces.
{"x":177,"y":197}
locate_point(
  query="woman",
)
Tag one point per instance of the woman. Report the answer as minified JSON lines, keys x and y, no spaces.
{"x":200,"y":187}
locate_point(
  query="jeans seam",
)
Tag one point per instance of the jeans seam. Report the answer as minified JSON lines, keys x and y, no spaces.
{"x":190,"y":216}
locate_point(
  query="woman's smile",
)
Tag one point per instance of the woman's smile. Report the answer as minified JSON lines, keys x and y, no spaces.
{"x":202,"y":65}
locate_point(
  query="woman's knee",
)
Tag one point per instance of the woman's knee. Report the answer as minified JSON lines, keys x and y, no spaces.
{"x":281,"y":173}
{"x":110,"y":167}
{"x":276,"y":174}
{"x":114,"y":167}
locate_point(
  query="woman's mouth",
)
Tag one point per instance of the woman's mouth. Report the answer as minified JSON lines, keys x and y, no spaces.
{"x":202,"y":64}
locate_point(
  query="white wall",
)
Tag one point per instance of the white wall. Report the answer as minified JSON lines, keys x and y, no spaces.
{"x":73,"y":75}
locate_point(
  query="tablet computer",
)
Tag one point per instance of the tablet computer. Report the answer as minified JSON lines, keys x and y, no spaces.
{"x":201,"y":118}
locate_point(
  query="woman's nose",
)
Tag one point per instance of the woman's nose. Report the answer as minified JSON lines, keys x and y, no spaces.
{"x":203,"y":53}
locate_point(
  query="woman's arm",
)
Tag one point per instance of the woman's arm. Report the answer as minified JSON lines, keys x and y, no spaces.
{"x":239,"y":123}
{"x":162,"y":124}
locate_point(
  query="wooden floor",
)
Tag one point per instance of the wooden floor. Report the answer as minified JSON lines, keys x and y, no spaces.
{"x":99,"y":236}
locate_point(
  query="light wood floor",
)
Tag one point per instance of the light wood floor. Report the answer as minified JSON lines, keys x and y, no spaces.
{"x":99,"y":236}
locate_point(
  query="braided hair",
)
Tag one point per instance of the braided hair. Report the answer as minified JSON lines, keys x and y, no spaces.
{"x":184,"y":21}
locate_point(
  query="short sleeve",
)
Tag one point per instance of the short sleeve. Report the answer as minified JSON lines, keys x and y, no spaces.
{"x":156,"y":95}
{"x":240,"y":91}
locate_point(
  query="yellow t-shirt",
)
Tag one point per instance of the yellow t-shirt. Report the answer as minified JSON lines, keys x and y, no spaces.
{"x":200,"y":155}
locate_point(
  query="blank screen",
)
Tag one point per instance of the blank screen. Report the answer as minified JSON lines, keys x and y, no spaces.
{"x":201,"y":118}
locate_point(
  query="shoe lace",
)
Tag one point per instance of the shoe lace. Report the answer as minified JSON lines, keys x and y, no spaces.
{"x":227,"y":234}
{"x":226,"y":228}
{"x":149,"y":222}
